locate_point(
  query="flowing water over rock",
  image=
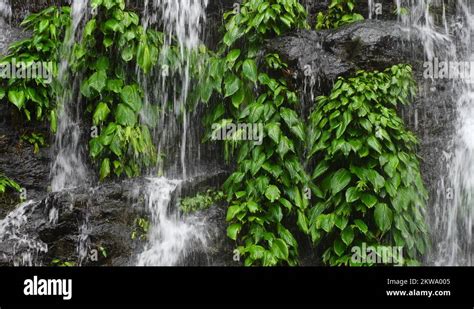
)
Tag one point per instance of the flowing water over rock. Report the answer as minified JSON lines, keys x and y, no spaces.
{"x":77,"y":218}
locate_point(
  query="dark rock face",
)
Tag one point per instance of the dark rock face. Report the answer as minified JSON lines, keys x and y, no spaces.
{"x":328,"y":54}
{"x":71,"y":224}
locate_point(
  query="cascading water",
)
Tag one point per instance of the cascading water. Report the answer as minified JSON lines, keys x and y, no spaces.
{"x":455,"y":211}
{"x":452,"y":206}
{"x":5,"y":9}
{"x":26,"y":249}
{"x":68,"y":169}
{"x":171,"y":236}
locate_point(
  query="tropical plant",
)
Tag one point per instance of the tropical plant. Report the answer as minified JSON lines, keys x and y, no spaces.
{"x":112,"y":41}
{"x":32,"y":95}
{"x":266,"y":190}
{"x":35,"y":139}
{"x":7,"y":183}
{"x":340,"y":12}
{"x":367,"y":176}
{"x":201,"y":201}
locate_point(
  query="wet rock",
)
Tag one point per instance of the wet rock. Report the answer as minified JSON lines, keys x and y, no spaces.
{"x":93,"y":226}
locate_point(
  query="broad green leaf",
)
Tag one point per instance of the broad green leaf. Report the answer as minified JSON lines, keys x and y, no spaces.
{"x":105,"y":169}
{"x":352,"y":195}
{"x":101,"y":113}
{"x":131,"y":97}
{"x":233,"y":230}
{"x":347,"y":235}
{"x":361,"y":226}
{"x":340,"y":180}
{"x":250,"y":70}
{"x":17,"y":98}
{"x":383,"y":217}
{"x":272,"y":193}
{"x":125,"y":115}
{"x":280,"y":249}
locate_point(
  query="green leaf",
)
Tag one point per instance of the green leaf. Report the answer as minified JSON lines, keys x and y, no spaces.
{"x":361,"y":225}
{"x":369,"y":200}
{"x":232,"y":84}
{"x":340,"y":180}
{"x":125,"y":115}
{"x":250,"y":70}
{"x":339,"y":247}
{"x":105,"y":169}
{"x":383,"y":217}
{"x":131,"y":97}
{"x":98,"y":80}
{"x":374,"y":144}
{"x":272,"y":193}
{"x":274,"y":132}
{"x":302,"y":222}
{"x":347,"y":235}
{"x":54,"y":121}
{"x":101,"y":113}
{"x":232,"y":211}
{"x":233,"y":55}
{"x":17,"y":98}
{"x":280,"y":249}
{"x":352,"y":195}
{"x":233,"y":230}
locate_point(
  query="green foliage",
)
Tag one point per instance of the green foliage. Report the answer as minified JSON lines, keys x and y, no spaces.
{"x":7,"y":183}
{"x":140,"y":229}
{"x":201,"y":201}
{"x":366,"y":170}
{"x":61,"y":263}
{"x":340,"y":12}
{"x":35,"y":139}
{"x":33,"y":96}
{"x":266,"y":190}
{"x":113,"y":41}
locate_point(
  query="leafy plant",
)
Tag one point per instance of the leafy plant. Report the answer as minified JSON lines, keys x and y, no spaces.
{"x":340,"y":12}
{"x":369,"y":187}
{"x":201,"y":201}
{"x":61,"y":263}
{"x":33,"y":95}
{"x":113,"y":96}
{"x":7,"y":183}
{"x":141,"y":228}
{"x":35,"y":139}
{"x":265,"y":191}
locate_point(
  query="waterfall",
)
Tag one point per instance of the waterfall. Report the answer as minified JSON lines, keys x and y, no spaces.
{"x":69,"y":169}
{"x":455,"y":211}
{"x":452,"y":205}
{"x":26,"y":250}
{"x":5,"y":9}
{"x":181,"y":22}
{"x":171,"y":235}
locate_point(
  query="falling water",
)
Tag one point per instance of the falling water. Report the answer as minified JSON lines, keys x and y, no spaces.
{"x":171,"y":235}
{"x":455,"y":211}
{"x":25,"y":249}
{"x":452,"y":212}
{"x":5,"y":9}
{"x":181,"y":22}
{"x":68,"y":169}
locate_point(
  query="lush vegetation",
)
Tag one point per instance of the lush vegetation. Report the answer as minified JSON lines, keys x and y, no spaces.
{"x":8,"y":184}
{"x":367,"y":172}
{"x":201,"y":201}
{"x":345,"y":176}
{"x":340,"y":12}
